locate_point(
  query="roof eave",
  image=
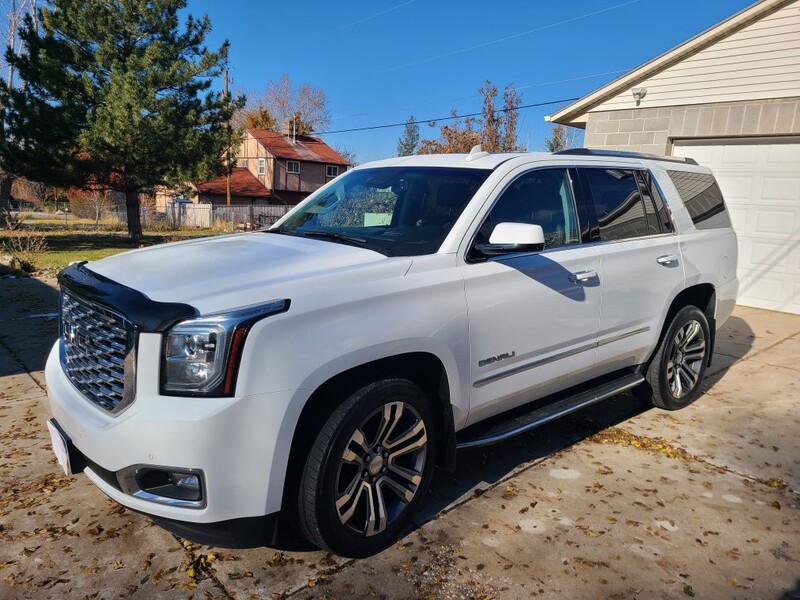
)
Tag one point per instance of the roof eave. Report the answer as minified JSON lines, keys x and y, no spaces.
{"x":575,"y":113}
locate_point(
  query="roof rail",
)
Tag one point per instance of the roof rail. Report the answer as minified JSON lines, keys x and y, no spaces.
{"x":626,"y":154}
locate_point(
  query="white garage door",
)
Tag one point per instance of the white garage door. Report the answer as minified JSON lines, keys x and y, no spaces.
{"x":760,"y":179}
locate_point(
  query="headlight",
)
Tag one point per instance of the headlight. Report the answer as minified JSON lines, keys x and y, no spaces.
{"x":201,"y":356}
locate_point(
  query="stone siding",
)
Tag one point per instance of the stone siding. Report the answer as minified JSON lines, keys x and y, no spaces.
{"x":654,"y":129}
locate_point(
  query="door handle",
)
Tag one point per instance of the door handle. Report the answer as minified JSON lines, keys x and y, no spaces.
{"x":582,"y":276}
{"x":667,"y":259}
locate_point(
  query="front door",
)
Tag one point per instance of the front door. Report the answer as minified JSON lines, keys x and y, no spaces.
{"x":534,"y":316}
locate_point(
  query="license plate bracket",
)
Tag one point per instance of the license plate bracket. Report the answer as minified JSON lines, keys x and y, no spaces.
{"x":68,"y":456}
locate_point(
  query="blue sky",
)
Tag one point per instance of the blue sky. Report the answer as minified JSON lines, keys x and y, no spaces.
{"x":381,"y":61}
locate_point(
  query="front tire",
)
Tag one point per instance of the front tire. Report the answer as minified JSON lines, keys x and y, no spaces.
{"x":675,"y":374}
{"x":369,"y":469}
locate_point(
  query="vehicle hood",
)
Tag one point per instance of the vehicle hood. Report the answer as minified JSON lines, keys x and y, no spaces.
{"x":226,"y":272}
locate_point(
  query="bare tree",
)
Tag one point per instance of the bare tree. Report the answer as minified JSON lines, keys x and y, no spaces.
{"x":304,"y":107}
{"x":30,"y":191}
{"x":91,"y":205}
{"x":562,"y":138}
{"x":347,"y":153}
{"x":14,"y":12}
{"x":495,"y":129}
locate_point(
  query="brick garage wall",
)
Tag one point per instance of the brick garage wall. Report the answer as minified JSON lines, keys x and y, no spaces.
{"x":654,"y":129}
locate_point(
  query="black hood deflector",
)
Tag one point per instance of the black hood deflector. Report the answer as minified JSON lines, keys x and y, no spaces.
{"x":148,"y":316}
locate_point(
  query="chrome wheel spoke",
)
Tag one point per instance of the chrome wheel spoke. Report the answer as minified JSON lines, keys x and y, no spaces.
{"x":698,"y":345}
{"x":391,"y":415}
{"x":348,"y":502}
{"x":675,"y":382}
{"x":352,"y":458}
{"x":406,"y":494}
{"x":411,"y":476}
{"x":690,"y":332}
{"x":376,"y":516}
{"x":693,"y":356}
{"x":359,"y":439}
{"x":689,"y":375}
{"x":671,"y":376}
{"x":413,"y":438}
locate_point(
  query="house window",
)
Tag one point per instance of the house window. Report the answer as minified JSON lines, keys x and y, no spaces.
{"x":292,"y":166}
{"x":245,"y":163}
{"x":262,"y":166}
{"x":331,"y":171}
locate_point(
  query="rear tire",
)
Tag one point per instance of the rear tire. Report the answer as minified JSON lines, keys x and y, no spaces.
{"x":369,"y":469}
{"x":674,"y":376}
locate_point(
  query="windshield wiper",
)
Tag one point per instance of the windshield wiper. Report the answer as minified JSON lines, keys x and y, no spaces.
{"x":333,"y":235}
{"x":278,"y":230}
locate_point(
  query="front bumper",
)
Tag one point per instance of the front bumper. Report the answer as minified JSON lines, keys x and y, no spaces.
{"x":240,"y":444}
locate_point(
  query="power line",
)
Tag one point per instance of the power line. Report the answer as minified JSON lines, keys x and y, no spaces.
{"x":514,"y":88}
{"x":502,"y":39}
{"x":358,"y":22}
{"x":449,"y":118}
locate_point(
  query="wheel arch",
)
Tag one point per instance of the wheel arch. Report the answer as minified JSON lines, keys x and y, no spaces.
{"x":701,"y":295}
{"x":423,"y":368}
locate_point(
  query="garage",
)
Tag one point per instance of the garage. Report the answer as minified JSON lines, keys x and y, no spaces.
{"x":760,"y":178}
{"x":730,"y":98}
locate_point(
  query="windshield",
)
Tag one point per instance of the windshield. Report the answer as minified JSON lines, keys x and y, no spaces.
{"x":396,"y":211}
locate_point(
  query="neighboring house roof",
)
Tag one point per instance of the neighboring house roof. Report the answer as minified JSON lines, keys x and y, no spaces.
{"x":243,"y":183}
{"x":305,"y":147}
{"x":575,"y":113}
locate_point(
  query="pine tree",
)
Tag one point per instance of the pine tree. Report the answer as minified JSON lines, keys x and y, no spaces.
{"x":115,"y":95}
{"x":409,"y":141}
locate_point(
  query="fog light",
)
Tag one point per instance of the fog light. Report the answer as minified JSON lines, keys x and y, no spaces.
{"x":163,"y":485}
{"x":184,"y":480}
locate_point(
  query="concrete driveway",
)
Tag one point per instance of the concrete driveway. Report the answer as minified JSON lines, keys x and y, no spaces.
{"x":616,"y":502}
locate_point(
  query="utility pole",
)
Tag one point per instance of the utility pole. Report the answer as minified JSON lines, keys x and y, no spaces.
{"x":228,"y":152}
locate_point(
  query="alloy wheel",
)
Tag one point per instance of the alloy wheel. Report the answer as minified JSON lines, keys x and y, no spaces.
{"x":686,"y":356}
{"x":381,"y":468}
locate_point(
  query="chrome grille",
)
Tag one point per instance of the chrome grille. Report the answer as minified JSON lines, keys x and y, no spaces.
{"x":96,"y":345}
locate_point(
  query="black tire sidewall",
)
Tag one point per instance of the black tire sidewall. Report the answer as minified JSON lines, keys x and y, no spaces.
{"x":666,"y":398}
{"x":343,"y":422}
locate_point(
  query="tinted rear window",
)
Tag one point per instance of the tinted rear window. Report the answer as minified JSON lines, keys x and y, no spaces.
{"x":618,"y":203}
{"x":703,"y":199}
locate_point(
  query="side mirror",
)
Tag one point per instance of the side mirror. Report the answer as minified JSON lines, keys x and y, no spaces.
{"x":509,"y":238}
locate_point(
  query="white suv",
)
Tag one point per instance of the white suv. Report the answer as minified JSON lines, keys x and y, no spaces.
{"x":316,"y":372}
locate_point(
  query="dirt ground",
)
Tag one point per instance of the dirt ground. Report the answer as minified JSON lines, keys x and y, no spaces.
{"x":618,"y":501}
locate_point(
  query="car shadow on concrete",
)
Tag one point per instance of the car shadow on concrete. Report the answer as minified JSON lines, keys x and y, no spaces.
{"x":479,"y":468}
{"x":793,"y":594}
{"x":28,"y":324}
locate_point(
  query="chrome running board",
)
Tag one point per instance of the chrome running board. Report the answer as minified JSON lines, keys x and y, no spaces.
{"x":498,"y":429}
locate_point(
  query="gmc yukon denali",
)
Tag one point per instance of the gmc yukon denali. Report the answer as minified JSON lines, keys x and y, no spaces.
{"x":316,"y":372}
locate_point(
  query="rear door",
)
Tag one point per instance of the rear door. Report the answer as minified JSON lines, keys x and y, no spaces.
{"x":533,"y":316}
{"x":640,"y":259}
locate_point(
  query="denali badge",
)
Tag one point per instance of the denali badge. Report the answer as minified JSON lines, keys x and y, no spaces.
{"x":494,"y":359}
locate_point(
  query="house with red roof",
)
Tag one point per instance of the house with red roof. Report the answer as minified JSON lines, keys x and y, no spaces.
{"x":273,"y":168}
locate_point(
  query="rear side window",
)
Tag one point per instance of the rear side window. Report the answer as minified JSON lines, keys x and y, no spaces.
{"x":703,"y":199}
{"x":618,"y":203}
{"x":658,"y":219}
